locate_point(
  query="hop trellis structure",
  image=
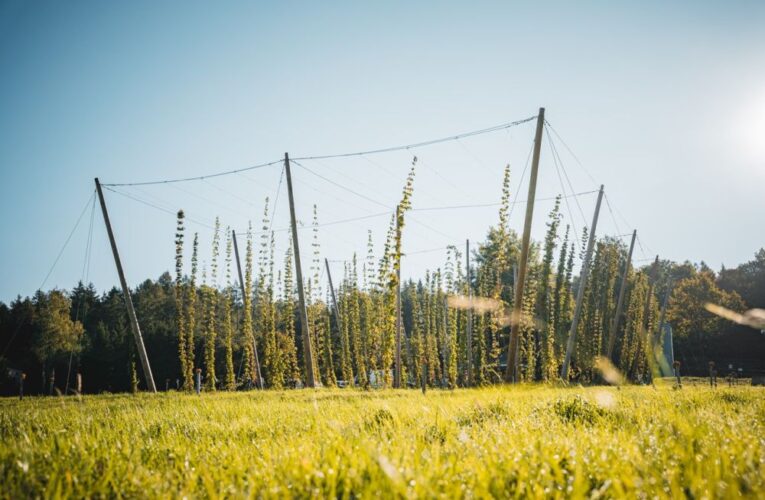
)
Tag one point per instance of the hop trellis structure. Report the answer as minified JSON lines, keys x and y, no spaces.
{"x":516,"y":308}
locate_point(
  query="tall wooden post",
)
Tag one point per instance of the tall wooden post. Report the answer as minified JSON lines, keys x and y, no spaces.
{"x":512,"y":348}
{"x":620,"y":302}
{"x":469,"y":325}
{"x":335,"y":309}
{"x":397,"y":372}
{"x":310,"y":372}
{"x":128,"y":299}
{"x":241,"y":284}
{"x":580,"y":293}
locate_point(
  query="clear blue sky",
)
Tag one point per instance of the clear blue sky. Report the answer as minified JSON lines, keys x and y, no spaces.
{"x":664,"y":104}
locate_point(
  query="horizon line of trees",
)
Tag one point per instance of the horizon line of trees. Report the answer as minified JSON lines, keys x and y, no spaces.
{"x":189,"y":325}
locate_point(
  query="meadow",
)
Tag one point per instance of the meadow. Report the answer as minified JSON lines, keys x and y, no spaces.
{"x":522,"y":441}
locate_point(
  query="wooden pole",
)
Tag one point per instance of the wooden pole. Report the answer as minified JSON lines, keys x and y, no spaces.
{"x":580,"y":293}
{"x":512,"y":348}
{"x":469,"y":326}
{"x":241,"y":284}
{"x":335,"y":309}
{"x":620,"y":302}
{"x":128,"y":299}
{"x":310,"y":372}
{"x":397,"y":372}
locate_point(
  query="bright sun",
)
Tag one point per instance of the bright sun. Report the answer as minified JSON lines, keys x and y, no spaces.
{"x":752,"y":131}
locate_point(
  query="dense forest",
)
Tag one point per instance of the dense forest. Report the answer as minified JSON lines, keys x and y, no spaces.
{"x":233,"y":337}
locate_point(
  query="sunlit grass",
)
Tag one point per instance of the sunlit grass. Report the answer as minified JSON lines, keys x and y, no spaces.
{"x":525,"y":441}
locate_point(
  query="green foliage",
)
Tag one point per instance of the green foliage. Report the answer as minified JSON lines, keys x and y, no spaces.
{"x":55,"y":333}
{"x":748,"y":280}
{"x":578,"y":410}
{"x":686,"y":311}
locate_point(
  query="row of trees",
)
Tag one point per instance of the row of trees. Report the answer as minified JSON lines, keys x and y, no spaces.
{"x":248,"y":334}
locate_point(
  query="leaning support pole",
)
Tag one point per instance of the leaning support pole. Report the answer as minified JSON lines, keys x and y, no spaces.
{"x":310,"y":372}
{"x":128,"y":300}
{"x":241,"y":284}
{"x":335,"y":309}
{"x":580,"y":293}
{"x":469,"y":325}
{"x":620,"y":302}
{"x":515,"y":323}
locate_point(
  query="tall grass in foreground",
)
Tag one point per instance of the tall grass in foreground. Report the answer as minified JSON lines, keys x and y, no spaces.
{"x":520,"y":441}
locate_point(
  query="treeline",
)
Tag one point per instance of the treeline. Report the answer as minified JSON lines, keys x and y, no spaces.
{"x":242,"y":340}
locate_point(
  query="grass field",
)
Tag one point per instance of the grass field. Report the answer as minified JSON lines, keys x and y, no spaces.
{"x":521,"y":441}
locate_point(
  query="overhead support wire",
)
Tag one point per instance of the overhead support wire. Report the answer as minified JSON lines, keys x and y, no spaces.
{"x":502,"y":126}
{"x":484,"y":205}
{"x":324,"y":224}
{"x":156,"y":207}
{"x":336,"y":184}
{"x":559,"y":165}
{"x":571,"y":219}
{"x":495,"y":128}
{"x":372,"y":200}
{"x":276,"y":201}
{"x":68,"y":238}
{"x":91,"y":202}
{"x":613,"y":217}
{"x":549,"y":125}
{"x":520,"y":183}
{"x":612,"y":208}
{"x":197,"y":178}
